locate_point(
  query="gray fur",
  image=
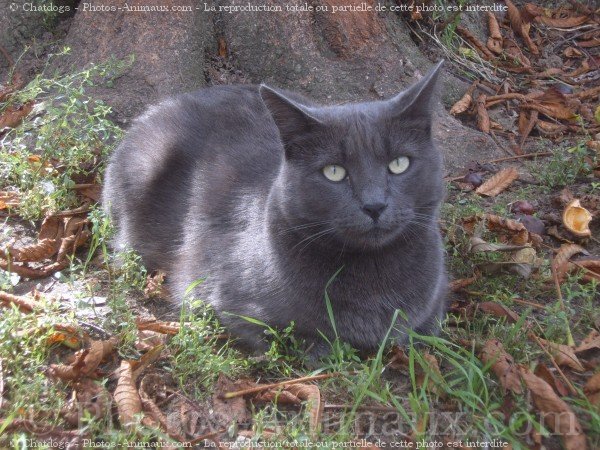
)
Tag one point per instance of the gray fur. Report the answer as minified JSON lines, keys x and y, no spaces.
{"x":225,"y":184}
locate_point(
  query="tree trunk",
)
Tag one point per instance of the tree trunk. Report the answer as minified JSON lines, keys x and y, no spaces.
{"x":331,"y":57}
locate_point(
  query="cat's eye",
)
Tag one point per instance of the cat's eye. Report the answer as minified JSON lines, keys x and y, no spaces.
{"x":399,"y":165}
{"x":334,"y":172}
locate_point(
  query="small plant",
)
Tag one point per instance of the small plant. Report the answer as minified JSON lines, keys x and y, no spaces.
{"x":65,"y":140}
{"x":563,"y":167}
{"x":199,"y":353}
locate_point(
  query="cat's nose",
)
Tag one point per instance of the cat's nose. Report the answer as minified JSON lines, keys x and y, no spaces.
{"x":374,"y":210}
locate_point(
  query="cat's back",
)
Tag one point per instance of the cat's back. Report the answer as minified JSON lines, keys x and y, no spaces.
{"x":207,"y":146}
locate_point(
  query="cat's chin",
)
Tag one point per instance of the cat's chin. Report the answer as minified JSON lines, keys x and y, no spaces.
{"x":373,"y":238}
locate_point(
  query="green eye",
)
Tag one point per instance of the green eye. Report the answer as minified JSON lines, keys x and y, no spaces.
{"x":399,"y":165}
{"x":334,"y":173}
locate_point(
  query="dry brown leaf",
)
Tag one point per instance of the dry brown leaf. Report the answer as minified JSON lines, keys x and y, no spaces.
{"x":494,"y":42}
{"x":542,"y":371}
{"x":475,"y":42}
{"x":68,"y":372}
{"x":457,"y":285}
{"x":311,"y":394}
{"x":91,"y":191}
{"x":86,"y":361}
{"x":155,"y":285}
{"x":14,"y":115}
{"x":567,"y":22}
{"x":516,"y":231}
{"x":560,"y":263}
{"x":576,"y":219}
{"x":228,"y":411}
{"x":498,"y":182}
{"x":502,"y":364}
{"x":531,"y":121}
{"x":572,"y":52}
{"x":591,"y":342}
{"x":520,"y":26}
{"x":89,"y":398}
{"x":510,"y":230}
{"x":483,"y":119}
{"x":589,"y":269}
{"x":563,"y":355}
{"x":8,"y":199}
{"x":43,"y":249}
{"x":515,"y":57}
{"x":556,"y":412}
{"x":498,"y":310}
{"x":149,"y":385}
{"x":126,"y":395}
{"x":550,"y":129}
{"x":592,"y":389}
{"x":24,"y":304}
{"x":465,"y":102}
{"x":147,"y":339}
{"x":98,"y":351}
{"x":171,"y":328}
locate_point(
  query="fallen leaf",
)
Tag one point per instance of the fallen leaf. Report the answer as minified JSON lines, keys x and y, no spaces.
{"x":498,"y":182}
{"x":86,"y":361}
{"x":476,"y":245}
{"x":228,"y":411}
{"x":126,"y":395}
{"x":520,"y":26}
{"x":498,"y":310}
{"x":563,"y":355}
{"x":494,"y":42}
{"x":171,"y":328}
{"x":155,"y":285}
{"x":591,"y":342}
{"x":67,"y":335}
{"x":576,"y":219}
{"x":483,"y":119}
{"x":457,"y":285}
{"x":465,"y":102}
{"x":589,"y":269}
{"x":560,"y":263}
{"x":557,"y":414}
{"x":592,"y":389}
{"x":24,"y":304}
{"x":542,"y":371}
{"x":475,"y":42}
{"x":12,"y":116}
{"x":502,"y":364}
{"x":89,"y":399}
{"x":311,"y":394}
{"x":8,"y":199}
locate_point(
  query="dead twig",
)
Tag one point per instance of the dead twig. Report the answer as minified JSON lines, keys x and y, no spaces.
{"x":266,"y":387}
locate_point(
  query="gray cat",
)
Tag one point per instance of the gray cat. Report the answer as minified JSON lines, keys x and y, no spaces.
{"x":266,"y":195}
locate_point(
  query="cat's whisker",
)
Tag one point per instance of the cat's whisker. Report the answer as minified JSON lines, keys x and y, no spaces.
{"x":313,"y":238}
{"x":304,"y":226}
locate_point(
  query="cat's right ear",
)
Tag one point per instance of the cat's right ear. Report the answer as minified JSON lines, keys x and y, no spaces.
{"x":292,"y":119}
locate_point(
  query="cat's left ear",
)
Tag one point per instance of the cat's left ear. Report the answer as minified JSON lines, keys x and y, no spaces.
{"x":417,"y":101}
{"x":292,"y":118}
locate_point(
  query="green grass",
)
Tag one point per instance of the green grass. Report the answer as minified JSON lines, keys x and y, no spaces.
{"x":65,"y":142}
{"x":73,"y":134}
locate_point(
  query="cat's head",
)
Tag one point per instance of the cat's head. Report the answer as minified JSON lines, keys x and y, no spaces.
{"x":359,"y":175}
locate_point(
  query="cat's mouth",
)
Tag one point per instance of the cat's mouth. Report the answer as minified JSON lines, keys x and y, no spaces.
{"x":374,"y":236}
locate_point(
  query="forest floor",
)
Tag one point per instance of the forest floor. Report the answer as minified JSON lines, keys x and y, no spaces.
{"x":93,"y":355}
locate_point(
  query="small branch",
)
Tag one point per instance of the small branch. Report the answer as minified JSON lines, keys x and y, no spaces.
{"x":266,"y":387}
